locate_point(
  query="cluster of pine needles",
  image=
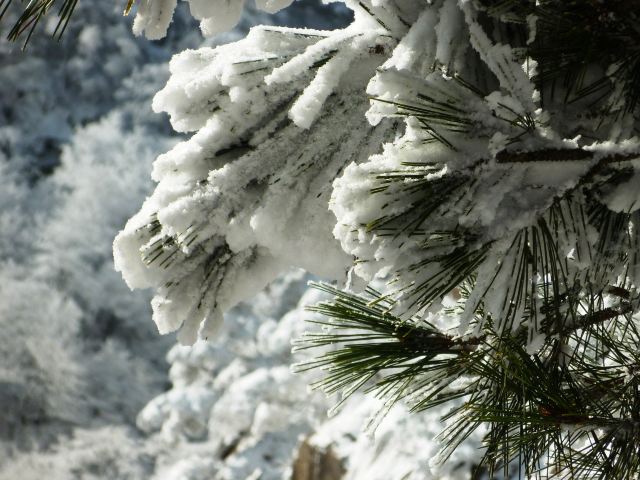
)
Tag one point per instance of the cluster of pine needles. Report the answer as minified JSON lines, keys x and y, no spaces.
{"x":547,"y":362}
{"x":570,"y":410}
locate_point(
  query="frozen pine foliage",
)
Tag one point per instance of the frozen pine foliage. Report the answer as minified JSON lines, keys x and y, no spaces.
{"x":246,"y":196}
{"x":480,"y":167}
{"x":475,"y":161}
{"x":505,"y":224}
{"x":242,"y":199}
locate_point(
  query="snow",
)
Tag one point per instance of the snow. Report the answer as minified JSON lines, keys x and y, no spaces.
{"x":216,"y":16}
{"x":307,"y":107}
{"x":500,"y":60}
{"x":448,"y":32}
{"x":624,"y":198}
{"x":153,"y":18}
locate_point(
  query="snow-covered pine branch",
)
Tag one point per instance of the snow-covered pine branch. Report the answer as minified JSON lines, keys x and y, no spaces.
{"x":483,"y":173}
{"x":278,"y":115}
{"x":481,"y":168}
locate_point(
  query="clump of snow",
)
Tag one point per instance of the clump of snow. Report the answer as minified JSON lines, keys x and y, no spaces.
{"x":216,"y":16}
{"x":153,"y":17}
{"x":624,"y":197}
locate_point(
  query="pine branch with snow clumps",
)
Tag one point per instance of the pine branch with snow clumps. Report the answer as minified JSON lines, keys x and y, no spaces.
{"x":246,"y":196}
{"x":484,"y":179}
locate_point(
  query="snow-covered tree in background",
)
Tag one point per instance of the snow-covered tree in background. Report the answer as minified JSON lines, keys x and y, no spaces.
{"x":471,"y":163}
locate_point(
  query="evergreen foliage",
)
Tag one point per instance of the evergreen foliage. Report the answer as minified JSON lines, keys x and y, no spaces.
{"x":33,"y":12}
{"x":536,"y":341}
{"x":499,"y":227}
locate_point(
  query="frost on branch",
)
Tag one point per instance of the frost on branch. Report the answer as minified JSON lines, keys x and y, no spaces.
{"x":489,"y":184}
{"x":277,"y":116}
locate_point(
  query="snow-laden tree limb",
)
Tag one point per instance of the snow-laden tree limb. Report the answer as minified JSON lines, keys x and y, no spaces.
{"x":246,"y":196}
